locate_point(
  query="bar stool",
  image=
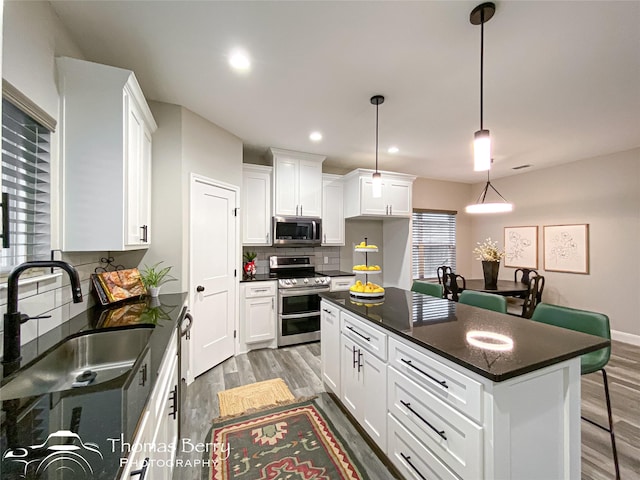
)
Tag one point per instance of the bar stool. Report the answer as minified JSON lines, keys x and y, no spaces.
{"x":488,"y":301}
{"x":428,"y":288}
{"x":594,"y":324}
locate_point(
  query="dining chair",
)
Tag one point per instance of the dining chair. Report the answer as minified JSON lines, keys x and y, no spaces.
{"x":533,"y":296}
{"x":442,"y":272}
{"x":526,"y":274}
{"x":594,"y":324}
{"x":453,"y":285}
{"x":428,"y":288}
{"x":488,"y":301}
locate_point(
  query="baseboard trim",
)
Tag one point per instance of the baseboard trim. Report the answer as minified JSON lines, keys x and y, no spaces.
{"x":625,"y":337}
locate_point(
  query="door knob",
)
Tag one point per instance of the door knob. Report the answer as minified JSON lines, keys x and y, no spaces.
{"x":199,"y":288}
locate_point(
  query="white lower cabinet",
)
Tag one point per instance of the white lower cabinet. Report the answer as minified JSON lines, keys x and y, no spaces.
{"x":435,"y":419}
{"x":362,"y":375}
{"x":155,"y":444}
{"x":258,"y":313}
{"x":330,"y":347}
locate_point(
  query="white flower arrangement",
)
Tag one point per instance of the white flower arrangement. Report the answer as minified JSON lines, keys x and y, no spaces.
{"x":488,"y":251}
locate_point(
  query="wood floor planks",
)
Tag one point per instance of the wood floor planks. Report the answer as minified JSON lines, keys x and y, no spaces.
{"x":300,"y":368}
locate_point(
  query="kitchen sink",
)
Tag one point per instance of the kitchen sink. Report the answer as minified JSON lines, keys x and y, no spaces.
{"x":84,"y":360}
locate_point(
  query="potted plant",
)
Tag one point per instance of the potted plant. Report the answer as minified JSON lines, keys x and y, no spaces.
{"x":250,"y":264}
{"x":154,"y":276}
{"x":490,"y":255}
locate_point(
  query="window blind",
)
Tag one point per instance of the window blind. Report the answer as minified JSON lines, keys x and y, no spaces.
{"x":434,"y":242}
{"x":26,"y":178}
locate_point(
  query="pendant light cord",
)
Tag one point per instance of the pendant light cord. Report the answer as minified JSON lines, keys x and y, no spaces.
{"x":481,"y":64}
{"x":377,"y":137}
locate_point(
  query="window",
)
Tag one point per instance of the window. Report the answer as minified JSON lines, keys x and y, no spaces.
{"x":434,"y":242}
{"x":26,"y":178}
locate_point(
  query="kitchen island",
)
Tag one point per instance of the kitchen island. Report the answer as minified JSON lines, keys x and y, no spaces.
{"x":101,"y":417}
{"x":448,"y":390}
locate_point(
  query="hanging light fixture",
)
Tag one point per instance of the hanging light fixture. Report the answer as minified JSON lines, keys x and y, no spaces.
{"x":489,"y":207}
{"x":482,"y":140}
{"x":376,"y":184}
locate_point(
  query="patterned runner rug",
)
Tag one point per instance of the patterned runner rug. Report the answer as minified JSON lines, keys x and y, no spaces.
{"x":295,"y":442}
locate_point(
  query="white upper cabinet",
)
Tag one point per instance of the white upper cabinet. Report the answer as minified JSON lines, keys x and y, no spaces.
{"x":332,"y":210}
{"x":105,"y":145}
{"x":256,"y":205}
{"x":394,"y":202}
{"x":297,"y":183}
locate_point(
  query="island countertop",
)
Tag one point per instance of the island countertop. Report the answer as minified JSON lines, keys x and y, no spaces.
{"x":494,"y":345}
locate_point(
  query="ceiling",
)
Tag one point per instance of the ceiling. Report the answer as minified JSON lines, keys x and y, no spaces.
{"x":561,"y":79}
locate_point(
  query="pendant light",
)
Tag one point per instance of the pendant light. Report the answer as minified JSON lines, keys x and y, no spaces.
{"x":376,"y":184}
{"x":489,"y":207}
{"x":482,"y":140}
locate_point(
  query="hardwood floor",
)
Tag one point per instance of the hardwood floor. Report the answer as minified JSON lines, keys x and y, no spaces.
{"x":299,"y":367}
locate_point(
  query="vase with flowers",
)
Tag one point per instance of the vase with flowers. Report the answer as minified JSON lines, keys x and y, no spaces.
{"x":249,"y":266}
{"x":490,"y":255}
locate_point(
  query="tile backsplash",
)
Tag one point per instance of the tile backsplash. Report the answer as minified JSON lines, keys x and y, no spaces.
{"x":50,"y":295}
{"x":318,"y":254}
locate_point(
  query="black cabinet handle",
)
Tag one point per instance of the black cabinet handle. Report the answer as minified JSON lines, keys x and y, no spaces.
{"x":359,"y":358}
{"x":439,"y":432}
{"x":5,"y":220}
{"x":442,"y":383}
{"x":368,"y":339}
{"x":143,"y":375}
{"x":143,"y":471}
{"x":173,"y":398}
{"x":186,"y":332}
{"x":354,"y":356}
{"x":199,"y":288}
{"x":145,"y":233}
{"x":407,"y":459}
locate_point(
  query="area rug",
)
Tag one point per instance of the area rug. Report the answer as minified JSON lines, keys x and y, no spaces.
{"x":292,"y":442}
{"x":255,"y":396}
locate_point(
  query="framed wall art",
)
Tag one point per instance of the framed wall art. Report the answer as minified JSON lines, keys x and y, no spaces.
{"x":521,"y":247}
{"x":566,"y":248}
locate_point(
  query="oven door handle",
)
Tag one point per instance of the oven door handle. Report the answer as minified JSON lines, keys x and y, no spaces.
{"x":296,"y":292}
{"x":299,"y":315}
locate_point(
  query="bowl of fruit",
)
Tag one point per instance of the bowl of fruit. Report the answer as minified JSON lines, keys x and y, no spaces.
{"x":366,"y":290}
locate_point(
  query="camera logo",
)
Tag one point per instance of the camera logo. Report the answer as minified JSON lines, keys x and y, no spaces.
{"x":63,"y":453}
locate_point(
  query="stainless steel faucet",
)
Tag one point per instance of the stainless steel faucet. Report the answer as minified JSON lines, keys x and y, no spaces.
{"x":13,"y":318}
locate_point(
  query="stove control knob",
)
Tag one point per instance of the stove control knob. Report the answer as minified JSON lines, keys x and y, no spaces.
{"x":306,"y":280}
{"x":287,"y":282}
{"x":318,"y":280}
{"x":294,"y":281}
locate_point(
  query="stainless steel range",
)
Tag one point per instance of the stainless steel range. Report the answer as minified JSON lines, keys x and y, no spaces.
{"x":298,"y":299}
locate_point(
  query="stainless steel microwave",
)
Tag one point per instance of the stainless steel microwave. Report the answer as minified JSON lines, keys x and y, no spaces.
{"x":297,"y":231}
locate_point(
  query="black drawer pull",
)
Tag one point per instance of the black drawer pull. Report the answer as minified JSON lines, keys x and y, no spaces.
{"x":143,"y":375}
{"x":173,"y":398}
{"x":359,"y":357}
{"x":368,"y":339}
{"x":143,"y":471}
{"x":354,"y":356}
{"x":439,"y":432}
{"x":407,"y":459}
{"x":439,"y":382}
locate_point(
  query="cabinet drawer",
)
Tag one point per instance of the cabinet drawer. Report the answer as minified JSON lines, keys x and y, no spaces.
{"x":369,"y":337}
{"x":342,"y":283}
{"x":413,"y":459}
{"x":449,"y":385}
{"x":451,"y":436}
{"x":260,"y":289}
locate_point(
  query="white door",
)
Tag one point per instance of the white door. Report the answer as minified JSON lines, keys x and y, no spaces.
{"x":213,"y":284}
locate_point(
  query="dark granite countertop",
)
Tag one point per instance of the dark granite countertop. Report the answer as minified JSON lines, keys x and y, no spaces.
{"x":260,"y":277}
{"x":106,"y":413}
{"x":445,"y":327}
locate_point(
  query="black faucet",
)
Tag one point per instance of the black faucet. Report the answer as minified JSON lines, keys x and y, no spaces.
{"x":13,"y":319}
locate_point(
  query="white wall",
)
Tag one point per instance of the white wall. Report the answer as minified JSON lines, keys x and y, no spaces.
{"x":603,"y":192}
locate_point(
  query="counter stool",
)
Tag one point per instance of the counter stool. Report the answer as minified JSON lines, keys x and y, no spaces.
{"x":428,"y":288}
{"x":594,"y":324}
{"x":488,"y":301}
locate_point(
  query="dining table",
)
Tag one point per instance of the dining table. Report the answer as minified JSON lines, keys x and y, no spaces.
{"x":509,"y":288}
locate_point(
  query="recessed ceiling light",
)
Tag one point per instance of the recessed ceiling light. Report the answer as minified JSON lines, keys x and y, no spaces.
{"x":239,"y":61}
{"x":315,"y":136}
{"x":393,"y":150}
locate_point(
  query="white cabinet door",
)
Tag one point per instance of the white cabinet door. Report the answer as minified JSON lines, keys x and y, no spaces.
{"x":310,"y":188}
{"x":256,"y":205}
{"x":260,"y":319}
{"x":374,"y":409}
{"x":370,"y":205}
{"x":351,"y":378}
{"x":332,"y":211}
{"x":330,"y":347}
{"x":286,"y":187}
{"x":397,"y":196}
